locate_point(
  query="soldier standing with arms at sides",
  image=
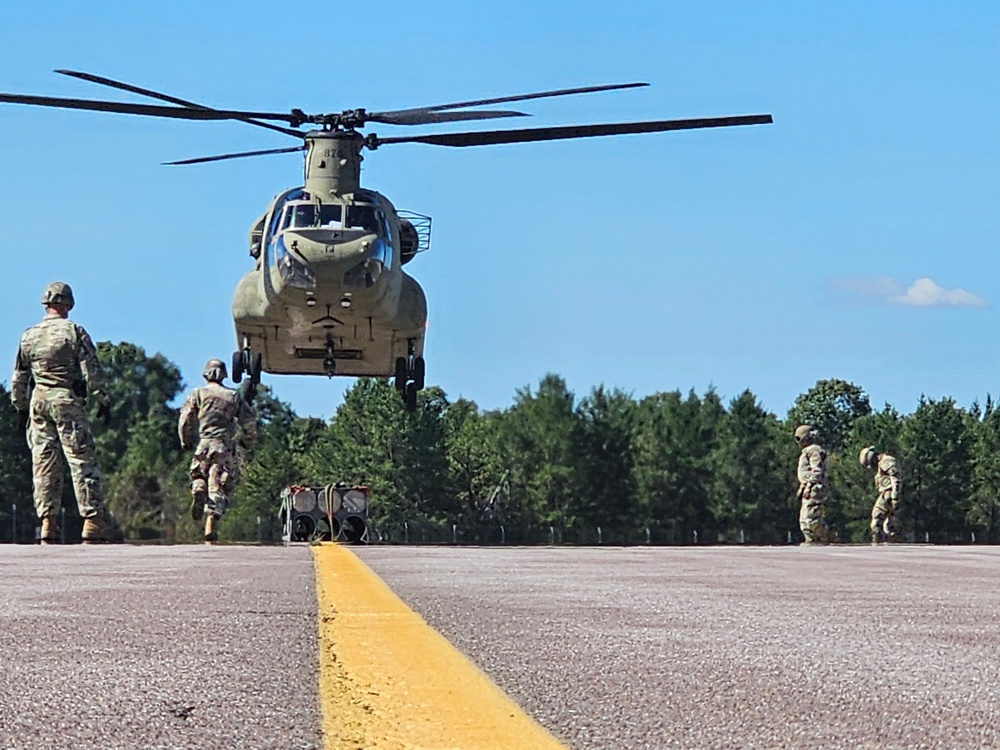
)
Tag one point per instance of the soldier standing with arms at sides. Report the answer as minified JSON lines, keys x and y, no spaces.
{"x":889,"y":484}
{"x":209,"y":420}
{"x":812,"y":486}
{"x":55,"y":367}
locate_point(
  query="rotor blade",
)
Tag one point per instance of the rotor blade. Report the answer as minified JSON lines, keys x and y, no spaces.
{"x":514,"y":98}
{"x":491,"y":137}
{"x":150,"y":110}
{"x":223,"y":157}
{"x":423,"y":117}
{"x":164,"y":97}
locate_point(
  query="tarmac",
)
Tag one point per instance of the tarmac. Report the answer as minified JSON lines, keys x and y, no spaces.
{"x":643,"y":647}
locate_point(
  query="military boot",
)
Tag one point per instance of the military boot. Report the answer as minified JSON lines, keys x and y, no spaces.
{"x":101,"y":528}
{"x":50,"y":531}
{"x":211,"y":528}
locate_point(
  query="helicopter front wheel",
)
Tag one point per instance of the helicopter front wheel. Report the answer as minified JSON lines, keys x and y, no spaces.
{"x":402,"y":374}
{"x":248,"y":362}
{"x":238,"y":367}
{"x":417,"y":373}
{"x":254,"y":362}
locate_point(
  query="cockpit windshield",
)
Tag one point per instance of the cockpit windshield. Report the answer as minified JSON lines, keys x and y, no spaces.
{"x":299,"y":215}
{"x":363,"y":217}
{"x":329,"y":215}
{"x":359,"y":217}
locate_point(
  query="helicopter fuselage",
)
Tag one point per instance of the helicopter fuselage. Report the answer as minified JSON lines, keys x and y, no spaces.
{"x":328,"y":294}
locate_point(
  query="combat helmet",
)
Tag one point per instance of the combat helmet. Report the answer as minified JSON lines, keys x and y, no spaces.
{"x":806,"y":434}
{"x":215,"y":371}
{"x":58,"y":293}
{"x":868,"y":456}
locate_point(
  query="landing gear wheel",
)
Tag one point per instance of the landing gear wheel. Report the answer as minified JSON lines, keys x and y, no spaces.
{"x":411,"y":397}
{"x":418,"y":373}
{"x":238,"y":367}
{"x":401,"y":374}
{"x":254,"y":367}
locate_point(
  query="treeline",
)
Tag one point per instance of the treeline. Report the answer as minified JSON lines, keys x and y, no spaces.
{"x":669,"y":468}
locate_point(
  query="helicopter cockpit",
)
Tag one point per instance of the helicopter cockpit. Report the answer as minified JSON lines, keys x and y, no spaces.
{"x":360,"y":218}
{"x":298,"y":217}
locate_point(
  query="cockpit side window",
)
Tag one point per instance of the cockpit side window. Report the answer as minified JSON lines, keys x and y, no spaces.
{"x":277,"y":213}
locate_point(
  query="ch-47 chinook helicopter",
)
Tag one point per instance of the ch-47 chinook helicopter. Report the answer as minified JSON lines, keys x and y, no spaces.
{"x":328,"y":294}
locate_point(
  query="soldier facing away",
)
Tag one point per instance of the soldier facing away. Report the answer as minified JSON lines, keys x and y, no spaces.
{"x":812,"y":486}
{"x":209,"y":421}
{"x":55,"y":367}
{"x":889,"y":484}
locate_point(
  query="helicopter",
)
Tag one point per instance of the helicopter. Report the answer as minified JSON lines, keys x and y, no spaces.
{"x":327,"y":294}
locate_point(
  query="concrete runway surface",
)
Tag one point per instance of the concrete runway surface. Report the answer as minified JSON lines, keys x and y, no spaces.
{"x":783,"y":647}
{"x":120,"y":646}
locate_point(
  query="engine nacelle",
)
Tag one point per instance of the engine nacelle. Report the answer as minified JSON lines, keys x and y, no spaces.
{"x":409,"y":241}
{"x":414,"y":235}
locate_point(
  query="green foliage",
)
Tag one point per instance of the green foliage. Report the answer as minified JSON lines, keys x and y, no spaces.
{"x":831,"y":406}
{"x":938,"y":442}
{"x":541,"y":436}
{"x":984,"y":506}
{"x":15,"y":474}
{"x":751,"y":492}
{"x":545,"y":469}
{"x":674,"y":442}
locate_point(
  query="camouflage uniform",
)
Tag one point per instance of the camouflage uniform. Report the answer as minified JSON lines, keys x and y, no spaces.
{"x":213,"y":413}
{"x":889,"y":484}
{"x":59,"y":357}
{"x":812,"y":488}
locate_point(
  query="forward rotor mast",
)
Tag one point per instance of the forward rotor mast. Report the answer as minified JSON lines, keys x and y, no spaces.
{"x":333,"y":162}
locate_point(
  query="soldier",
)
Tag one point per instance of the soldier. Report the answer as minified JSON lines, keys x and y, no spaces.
{"x":812,"y":486}
{"x":56,"y":365}
{"x":889,"y":484}
{"x":209,"y":419}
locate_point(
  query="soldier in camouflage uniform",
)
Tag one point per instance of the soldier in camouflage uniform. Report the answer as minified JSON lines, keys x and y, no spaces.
{"x":889,"y":484}
{"x":209,"y":420}
{"x":812,"y":486}
{"x":55,"y":367}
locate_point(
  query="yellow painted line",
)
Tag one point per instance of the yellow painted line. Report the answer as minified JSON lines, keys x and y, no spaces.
{"x":388,"y":681}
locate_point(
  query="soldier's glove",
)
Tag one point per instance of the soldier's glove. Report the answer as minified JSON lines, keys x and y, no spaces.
{"x":104,"y":412}
{"x":22,"y":420}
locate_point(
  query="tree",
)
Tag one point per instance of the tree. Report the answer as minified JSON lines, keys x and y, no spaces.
{"x":853,"y":485}
{"x":540,"y":435}
{"x":400,"y":455}
{"x":477,"y":471}
{"x":831,"y":406}
{"x":937,"y":441}
{"x":750,"y":491}
{"x":607,"y":422}
{"x":984,"y":507}
{"x":15,"y":474}
{"x":138,"y":451}
{"x":675,"y":438}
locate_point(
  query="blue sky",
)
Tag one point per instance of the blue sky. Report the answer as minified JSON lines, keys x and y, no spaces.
{"x":855,"y":238}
